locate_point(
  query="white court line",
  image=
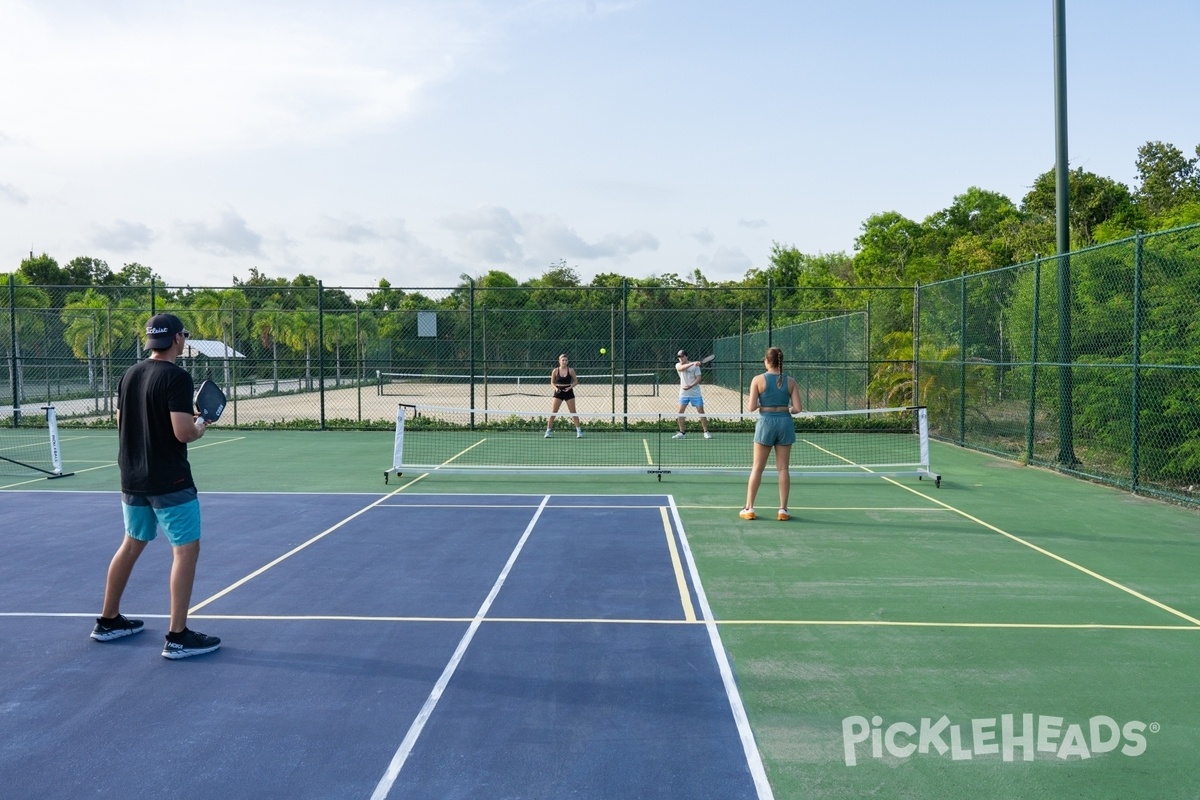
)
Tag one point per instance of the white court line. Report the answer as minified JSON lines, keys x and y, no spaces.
{"x":847,"y":623}
{"x":299,"y":547}
{"x":465,"y":506}
{"x":749,"y":746}
{"x":922,"y":509}
{"x":108,"y":464}
{"x":410,"y":739}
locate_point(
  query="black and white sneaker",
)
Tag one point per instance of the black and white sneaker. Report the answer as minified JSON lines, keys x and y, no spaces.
{"x":189,"y":643}
{"x":115,"y":628}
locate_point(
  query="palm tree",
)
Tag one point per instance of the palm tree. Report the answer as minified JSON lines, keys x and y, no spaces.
{"x":28,"y":325}
{"x":299,"y":332}
{"x":95,"y":328}
{"x":339,"y":331}
{"x":267,"y":324}
{"x":218,"y":315}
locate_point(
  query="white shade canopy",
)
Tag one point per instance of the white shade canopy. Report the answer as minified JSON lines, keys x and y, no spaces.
{"x":210,"y":348}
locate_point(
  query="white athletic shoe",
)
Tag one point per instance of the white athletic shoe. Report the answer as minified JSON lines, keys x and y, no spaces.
{"x":547,"y":436}
{"x":707,"y":435}
{"x":578,"y":434}
{"x":679,"y":435}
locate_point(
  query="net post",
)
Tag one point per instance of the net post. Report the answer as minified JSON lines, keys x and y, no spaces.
{"x":398,"y":444}
{"x":923,"y":433}
{"x":52,"y":428}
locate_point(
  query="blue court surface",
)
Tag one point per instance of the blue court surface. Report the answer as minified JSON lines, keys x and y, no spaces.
{"x":402,"y":646}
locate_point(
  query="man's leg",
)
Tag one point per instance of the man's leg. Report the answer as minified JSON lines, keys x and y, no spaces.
{"x":119,"y":570}
{"x":183,"y":575}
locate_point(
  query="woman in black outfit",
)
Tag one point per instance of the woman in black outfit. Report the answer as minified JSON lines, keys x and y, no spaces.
{"x":563,"y":381}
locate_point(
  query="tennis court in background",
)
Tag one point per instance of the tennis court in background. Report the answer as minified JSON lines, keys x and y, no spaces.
{"x":1015,"y":633}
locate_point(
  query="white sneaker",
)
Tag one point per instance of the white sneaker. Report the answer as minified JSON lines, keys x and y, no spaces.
{"x":578,"y":434}
{"x":547,"y":436}
{"x":679,"y":435}
{"x":707,"y":435}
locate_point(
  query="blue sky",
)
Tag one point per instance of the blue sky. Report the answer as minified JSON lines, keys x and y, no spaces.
{"x":421,"y":140}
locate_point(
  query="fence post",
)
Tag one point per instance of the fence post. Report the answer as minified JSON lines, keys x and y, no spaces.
{"x":12,"y":347}
{"x":321,"y":348}
{"x":471,"y":336}
{"x":741,"y":355}
{"x":625,"y":347}
{"x":770,"y":321}
{"x":612,"y":356}
{"x":1134,"y":436}
{"x":867,"y":353}
{"x":962,"y":359}
{"x":1033,"y":359}
{"x":916,"y":351}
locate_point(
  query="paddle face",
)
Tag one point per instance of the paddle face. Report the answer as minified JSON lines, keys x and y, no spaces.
{"x":708,"y":359}
{"x":210,"y":401}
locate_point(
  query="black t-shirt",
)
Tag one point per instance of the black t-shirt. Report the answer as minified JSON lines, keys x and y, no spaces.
{"x":151,"y":459}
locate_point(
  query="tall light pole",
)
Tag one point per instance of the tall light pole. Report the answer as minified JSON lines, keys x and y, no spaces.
{"x":1066,"y":443}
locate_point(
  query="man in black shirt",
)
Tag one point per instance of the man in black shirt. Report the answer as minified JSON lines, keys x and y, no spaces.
{"x":155,"y":422}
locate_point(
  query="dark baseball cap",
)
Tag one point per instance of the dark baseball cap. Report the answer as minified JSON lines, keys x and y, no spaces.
{"x":161,"y":330}
{"x":681,"y":353}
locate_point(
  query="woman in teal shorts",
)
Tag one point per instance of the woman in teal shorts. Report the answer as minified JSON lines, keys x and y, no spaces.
{"x":776,"y":397}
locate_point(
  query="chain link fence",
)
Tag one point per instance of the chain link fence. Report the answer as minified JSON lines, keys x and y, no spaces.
{"x":321,"y":357}
{"x":1089,"y":363}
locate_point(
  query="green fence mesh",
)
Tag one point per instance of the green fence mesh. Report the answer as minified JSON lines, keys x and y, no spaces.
{"x":1089,"y":363}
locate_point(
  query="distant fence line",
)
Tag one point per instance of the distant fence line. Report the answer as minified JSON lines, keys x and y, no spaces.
{"x":1089,"y":363}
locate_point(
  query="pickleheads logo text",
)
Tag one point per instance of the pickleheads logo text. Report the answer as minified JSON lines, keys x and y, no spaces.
{"x":1009,"y":736}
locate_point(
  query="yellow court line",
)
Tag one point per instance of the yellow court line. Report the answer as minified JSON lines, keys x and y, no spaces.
{"x":685,"y":597}
{"x":649,"y":458}
{"x":459,"y":453}
{"x":1055,"y":556}
{"x":837,"y":455}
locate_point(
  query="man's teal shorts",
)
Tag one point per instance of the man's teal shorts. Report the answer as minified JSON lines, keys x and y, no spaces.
{"x":178,"y":513}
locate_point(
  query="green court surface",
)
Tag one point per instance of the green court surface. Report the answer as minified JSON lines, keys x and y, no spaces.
{"x":1014,"y":633}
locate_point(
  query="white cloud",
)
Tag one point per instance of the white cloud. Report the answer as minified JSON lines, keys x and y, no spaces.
{"x":488,"y":234}
{"x":704,"y":236}
{"x":230,"y":236}
{"x":13,"y":194}
{"x":497,"y":236}
{"x":550,"y":237}
{"x":752,"y":223}
{"x":122,"y":236}
{"x":119,"y":78}
{"x":725,"y":263}
{"x":350,"y":229}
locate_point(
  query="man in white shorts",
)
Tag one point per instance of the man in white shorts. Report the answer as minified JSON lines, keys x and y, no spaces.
{"x":689,"y":392}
